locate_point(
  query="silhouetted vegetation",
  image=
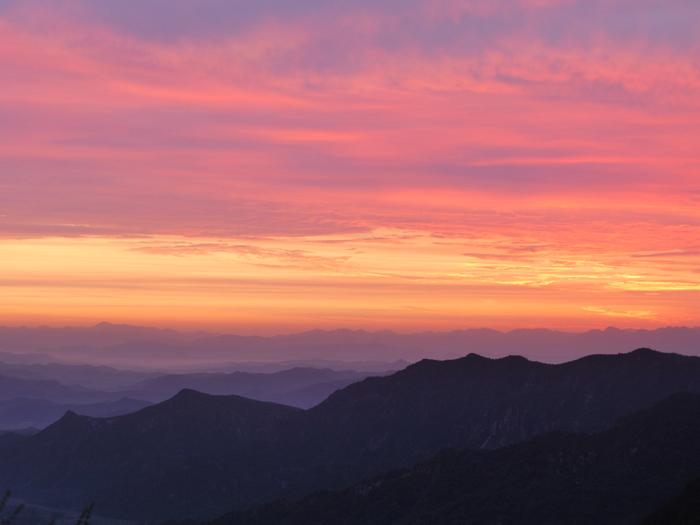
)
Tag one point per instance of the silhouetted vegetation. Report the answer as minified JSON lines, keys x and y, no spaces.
{"x":83,"y":519}
{"x":8,"y":519}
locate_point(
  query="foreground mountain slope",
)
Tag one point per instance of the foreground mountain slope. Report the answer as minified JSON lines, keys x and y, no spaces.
{"x":475,"y":402}
{"x":137,"y":463}
{"x":613,"y":477}
{"x":198,"y":455}
{"x":684,"y":509}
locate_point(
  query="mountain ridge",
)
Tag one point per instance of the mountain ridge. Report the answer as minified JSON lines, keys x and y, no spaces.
{"x":127,"y":344}
{"x":199,"y":455}
{"x":554,"y":478}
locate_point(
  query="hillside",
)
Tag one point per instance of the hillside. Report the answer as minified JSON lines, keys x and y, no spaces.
{"x":199,"y":455}
{"x":612,"y":477}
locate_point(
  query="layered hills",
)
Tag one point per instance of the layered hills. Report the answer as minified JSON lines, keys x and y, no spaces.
{"x":125,"y":346}
{"x":198,"y":455}
{"x":615,"y":476}
{"x":39,"y":394}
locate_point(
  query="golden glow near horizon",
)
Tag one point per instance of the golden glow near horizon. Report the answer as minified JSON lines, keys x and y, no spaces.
{"x":403,"y":280}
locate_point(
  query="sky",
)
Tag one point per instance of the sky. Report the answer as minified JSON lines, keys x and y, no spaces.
{"x":273,"y":166}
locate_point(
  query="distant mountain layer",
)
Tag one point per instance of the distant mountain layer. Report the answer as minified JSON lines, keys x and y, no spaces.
{"x":38,"y":395}
{"x":71,"y":375}
{"x":301,"y":387}
{"x":98,"y":336}
{"x":22,"y":413}
{"x":198,"y":455}
{"x":130,"y":346}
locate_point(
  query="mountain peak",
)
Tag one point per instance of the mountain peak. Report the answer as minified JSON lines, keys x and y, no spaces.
{"x":189,"y":393}
{"x":645,"y":352}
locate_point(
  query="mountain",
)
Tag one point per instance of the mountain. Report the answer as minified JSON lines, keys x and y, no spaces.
{"x":613,"y":477}
{"x":300,"y":387}
{"x":37,"y":395}
{"x":198,"y":455}
{"x":21,"y":354}
{"x":540,"y":344}
{"x":97,"y":336}
{"x":11,"y":387}
{"x":129,"y":346}
{"x":475,"y":402}
{"x":22,"y":413}
{"x":87,"y":376}
{"x":684,"y":509}
{"x":175,"y":456}
{"x":333,"y":364}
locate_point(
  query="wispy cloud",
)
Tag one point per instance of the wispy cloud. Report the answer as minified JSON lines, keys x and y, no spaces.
{"x":643,"y":314}
{"x":526,"y":145}
{"x":679,"y":253}
{"x":285,"y":257}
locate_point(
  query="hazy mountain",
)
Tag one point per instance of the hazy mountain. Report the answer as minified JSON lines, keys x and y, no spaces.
{"x":28,"y":398}
{"x":301,"y":387}
{"x":540,"y":344}
{"x":11,"y":387}
{"x":198,"y":455}
{"x":97,"y":336}
{"x":128,"y":346}
{"x":87,"y":376}
{"x":333,"y":364}
{"x":21,"y":413}
{"x":20,"y":354}
{"x":613,"y":477}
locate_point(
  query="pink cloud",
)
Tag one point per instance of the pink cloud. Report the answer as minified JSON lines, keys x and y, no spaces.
{"x":569,"y":125}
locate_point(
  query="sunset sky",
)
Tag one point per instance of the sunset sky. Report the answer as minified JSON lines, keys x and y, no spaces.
{"x":273,"y":166}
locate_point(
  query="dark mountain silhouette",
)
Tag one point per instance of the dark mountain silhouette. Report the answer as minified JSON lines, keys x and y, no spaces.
{"x":475,"y":402}
{"x":176,"y":455}
{"x":198,"y":455}
{"x":613,"y":477}
{"x":684,"y":509}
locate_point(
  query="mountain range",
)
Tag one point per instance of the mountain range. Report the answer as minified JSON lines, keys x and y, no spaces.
{"x":616,"y":476}
{"x":39,"y":394}
{"x":197,"y":455}
{"x":155,"y":349}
